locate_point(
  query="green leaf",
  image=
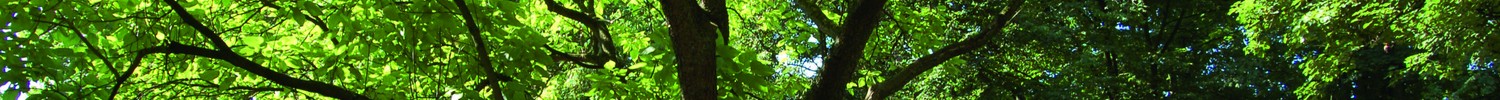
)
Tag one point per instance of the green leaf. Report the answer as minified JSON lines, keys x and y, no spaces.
{"x":225,"y":83}
{"x":311,"y":7}
{"x":353,"y":72}
{"x":609,"y":65}
{"x":209,"y":74}
{"x":253,"y":40}
{"x":954,"y":62}
{"x":637,"y":65}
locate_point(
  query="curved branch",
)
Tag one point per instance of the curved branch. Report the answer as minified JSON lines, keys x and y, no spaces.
{"x":585,"y":62}
{"x":900,"y":79}
{"x":587,"y":20}
{"x":250,"y":90}
{"x":183,"y":14}
{"x":122,"y":77}
{"x":228,"y":55}
{"x":601,"y":36}
{"x":815,"y":13}
{"x":128,"y":17}
{"x":175,"y":48}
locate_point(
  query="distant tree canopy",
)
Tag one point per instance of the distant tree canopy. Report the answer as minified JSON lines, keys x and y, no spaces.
{"x":749,"y":49}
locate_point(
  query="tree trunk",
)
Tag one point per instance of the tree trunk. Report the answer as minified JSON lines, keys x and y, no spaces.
{"x":839,"y":67}
{"x":693,"y":40}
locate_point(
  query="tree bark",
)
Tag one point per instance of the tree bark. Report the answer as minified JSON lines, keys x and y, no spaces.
{"x":719,"y":14}
{"x":693,"y":35}
{"x":839,"y":67}
{"x":899,"y":80}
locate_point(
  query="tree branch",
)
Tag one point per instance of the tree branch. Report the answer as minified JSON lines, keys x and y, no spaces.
{"x":120,"y":80}
{"x":128,"y":17}
{"x":1172,"y":34}
{"x":601,"y":36}
{"x":845,"y":58}
{"x":250,"y":90}
{"x":584,"y":62}
{"x":895,"y":82}
{"x":93,"y":49}
{"x":316,"y":21}
{"x":212,"y":85}
{"x":587,"y":20}
{"x":485,"y":64}
{"x":240,"y":61}
{"x":269,"y":3}
{"x":182,"y":12}
{"x":813,"y":12}
{"x":310,"y":18}
{"x":228,"y":55}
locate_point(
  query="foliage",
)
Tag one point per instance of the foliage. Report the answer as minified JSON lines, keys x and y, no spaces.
{"x":749,"y":49}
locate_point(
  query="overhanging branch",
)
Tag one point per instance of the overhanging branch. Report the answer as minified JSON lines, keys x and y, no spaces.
{"x":228,"y":55}
{"x":599,"y":27}
{"x":901,"y":78}
{"x":183,"y":82}
{"x":122,"y":77}
{"x":813,"y":12}
{"x":587,"y":20}
{"x":182,"y":12}
{"x":243,"y":63}
{"x":584,"y":62}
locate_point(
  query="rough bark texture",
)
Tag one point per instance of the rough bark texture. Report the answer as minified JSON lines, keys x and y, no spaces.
{"x":844,"y":60}
{"x":693,"y":40}
{"x":895,"y":82}
{"x":718,"y":13}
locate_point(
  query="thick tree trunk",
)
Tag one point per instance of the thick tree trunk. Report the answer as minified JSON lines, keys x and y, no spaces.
{"x":839,"y":67}
{"x":693,"y":40}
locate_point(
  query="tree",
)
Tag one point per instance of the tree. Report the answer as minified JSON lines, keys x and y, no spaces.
{"x":748,"y":49}
{"x":693,"y":32}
